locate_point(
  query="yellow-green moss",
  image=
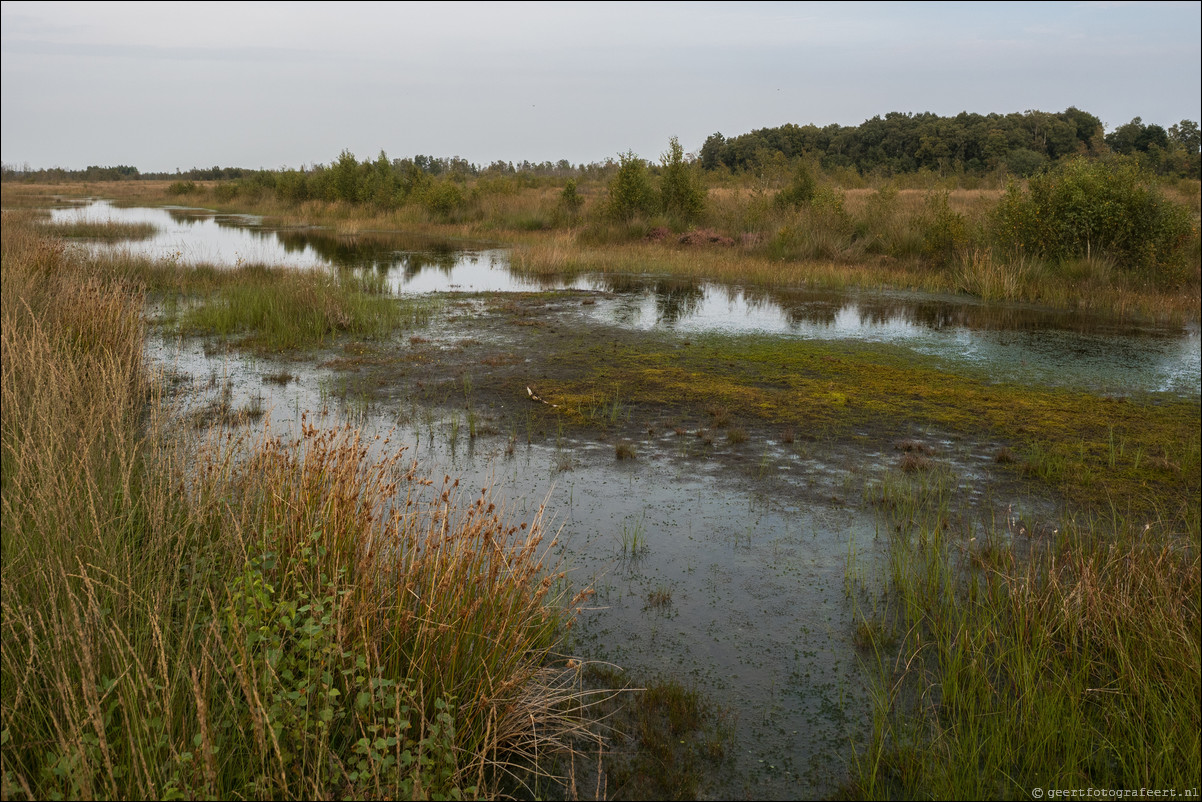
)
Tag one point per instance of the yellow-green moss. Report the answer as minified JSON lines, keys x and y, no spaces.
{"x":1134,"y":451}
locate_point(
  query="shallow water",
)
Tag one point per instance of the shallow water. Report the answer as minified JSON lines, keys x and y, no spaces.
{"x":758,"y":620}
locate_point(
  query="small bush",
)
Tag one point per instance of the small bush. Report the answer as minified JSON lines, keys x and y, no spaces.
{"x":443,"y":199}
{"x":570,"y":199}
{"x":1085,"y":208}
{"x":630,"y":192}
{"x":681,"y":193}
{"x":800,"y":190}
{"x":225,"y":192}
{"x":945,"y":232}
{"x":182,"y":188}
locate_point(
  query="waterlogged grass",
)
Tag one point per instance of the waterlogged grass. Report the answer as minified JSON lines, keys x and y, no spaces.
{"x":102,"y":230}
{"x":1053,"y":660}
{"x":633,"y":537}
{"x":562,"y":254}
{"x":246,"y":618}
{"x":280,"y":310}
{"x":267,"y":308}
{"x":936,"y":241}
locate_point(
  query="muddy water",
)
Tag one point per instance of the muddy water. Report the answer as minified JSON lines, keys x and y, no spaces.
{"x":754,"y":554}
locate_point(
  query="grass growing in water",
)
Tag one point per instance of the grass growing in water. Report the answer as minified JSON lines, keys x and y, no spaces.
{"x":1061,"y":438}
{"x":280,"y":310}
{"x":634,"y":537}
{"x":1067,"y":661}
{"x":938,"y":241}
{"x":270,"y":619}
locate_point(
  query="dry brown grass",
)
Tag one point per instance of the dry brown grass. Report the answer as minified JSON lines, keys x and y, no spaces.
{"x":559,"y":253}
{"x":968,"y":202}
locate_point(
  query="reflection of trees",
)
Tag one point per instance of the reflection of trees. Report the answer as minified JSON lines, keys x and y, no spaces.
{"x":378,"y":250}
{"x":620,"y":283}
{"x":415,"y":262}
{"x":676,"y":299}
{"x":815,"y":308}
{"x":241,"y":222}
{"x":188,"y":215}
{"x":814,"y":315}
{"x":822,"y":308}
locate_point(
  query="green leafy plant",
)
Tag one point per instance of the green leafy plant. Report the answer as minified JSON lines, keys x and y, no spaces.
{"x":681,"y":193}
{"x":630,"y":192}
{"x":800,"y":190}
{"x":1084,"y":208}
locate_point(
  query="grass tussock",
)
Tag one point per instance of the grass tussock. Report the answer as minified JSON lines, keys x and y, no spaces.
{"x":281,"y":310}
{"x":266,"y":308}
{"x":260,"y":618}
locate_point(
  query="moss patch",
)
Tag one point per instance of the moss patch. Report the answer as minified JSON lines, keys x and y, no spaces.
{"x":1136,"y":452}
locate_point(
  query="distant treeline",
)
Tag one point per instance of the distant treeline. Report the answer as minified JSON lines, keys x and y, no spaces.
{"x":974,"y":144}
{"x":452,"y":166}
{"x":896,"y":144}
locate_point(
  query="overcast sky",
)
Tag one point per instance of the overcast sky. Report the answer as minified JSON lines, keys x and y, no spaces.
{"x":174,"y":85}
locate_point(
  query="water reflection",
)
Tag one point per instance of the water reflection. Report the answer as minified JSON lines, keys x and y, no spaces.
{"x":1008,"y":342}
{"x":195,"y":236}
{"x":674,"y":299}
{"x":1019,"y":344}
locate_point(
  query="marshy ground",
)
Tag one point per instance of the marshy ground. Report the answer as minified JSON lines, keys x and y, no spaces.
{"x":782,"y":529}
{"x":730,"y":497}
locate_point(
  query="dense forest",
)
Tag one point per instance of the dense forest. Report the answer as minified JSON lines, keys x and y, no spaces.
{"x":974,"y":145}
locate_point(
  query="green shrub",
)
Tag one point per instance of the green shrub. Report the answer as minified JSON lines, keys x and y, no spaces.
{"x":181,"y":188}
{"x":443,"y":199}
{"x":316,"y":696}
{"x":944,"y":232}
{"x":571,"y":203}
{"x":800,"y":191}
{"x":681,"y":193}
{"x":1085,"y":208}
{"x":225,"y":192}
{"x":630,"y":192}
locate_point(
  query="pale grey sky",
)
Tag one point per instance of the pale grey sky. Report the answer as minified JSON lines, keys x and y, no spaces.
{"x":175,"y":85}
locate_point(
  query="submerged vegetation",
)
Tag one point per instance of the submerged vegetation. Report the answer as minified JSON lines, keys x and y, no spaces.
{"x":1142,"y":453}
